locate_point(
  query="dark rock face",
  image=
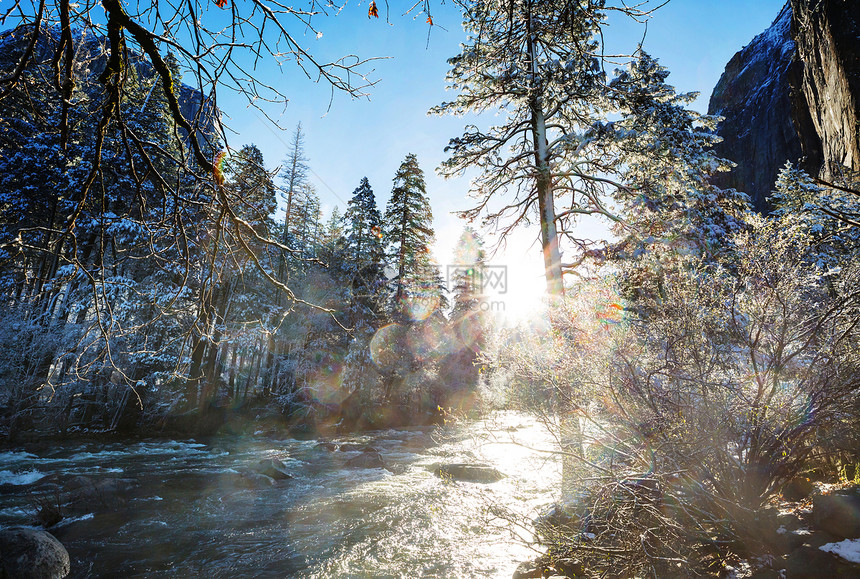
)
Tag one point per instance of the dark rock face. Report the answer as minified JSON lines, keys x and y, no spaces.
{"x":837,"y":514}
{"x":32,"y":554}
{"x":792,"y":95}
{"x":827,"y":35}
{"x":201,"y":114}
{"x":90,"y":55}
{"x":760,"y":131}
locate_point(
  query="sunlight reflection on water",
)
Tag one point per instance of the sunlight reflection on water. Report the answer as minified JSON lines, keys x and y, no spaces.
{"x":330,"y":520}
{"x":426,"y":527}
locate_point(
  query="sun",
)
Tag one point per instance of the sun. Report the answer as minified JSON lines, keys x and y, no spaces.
{"x":513,"y":283}
{"x":524,"y":295}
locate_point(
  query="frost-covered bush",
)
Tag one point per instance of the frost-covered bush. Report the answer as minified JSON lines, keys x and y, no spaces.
{"x":697,"y":407}
{"x":719,"y":397}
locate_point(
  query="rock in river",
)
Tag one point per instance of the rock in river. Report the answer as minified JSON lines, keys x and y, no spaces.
{"x":369,"y":458}
{"x":32,"y":554}
{"x":273,"y":468}
{"x":477,"y":473}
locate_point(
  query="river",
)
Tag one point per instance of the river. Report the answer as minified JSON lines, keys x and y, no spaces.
{"x":187,"y":516}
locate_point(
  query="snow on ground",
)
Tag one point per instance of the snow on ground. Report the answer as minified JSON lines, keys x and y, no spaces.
{"x":849,"y":549}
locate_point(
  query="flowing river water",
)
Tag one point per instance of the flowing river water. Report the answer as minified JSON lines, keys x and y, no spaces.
{"x":189,"y":512}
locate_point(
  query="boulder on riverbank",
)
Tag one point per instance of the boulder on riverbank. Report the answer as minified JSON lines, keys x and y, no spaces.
{"x":233,"y":481}
{"x":797,"y":489}
{"x":808,"y":562}
{"x":262,"y":475}
{"x":837,"y":514}
{"x":32,"y":554}
{"x":476,"y":473}
{"x":255,"y":481}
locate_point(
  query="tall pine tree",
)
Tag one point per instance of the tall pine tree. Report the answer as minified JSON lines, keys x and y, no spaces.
{"x":408,"y":232}
{"x":534,"y":61}
{"x":365,"y":254}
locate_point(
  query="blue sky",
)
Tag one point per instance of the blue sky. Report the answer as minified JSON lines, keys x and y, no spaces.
{"x":371,"y":137}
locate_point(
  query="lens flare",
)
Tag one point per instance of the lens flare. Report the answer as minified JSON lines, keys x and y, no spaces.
{"x":470,"y":248}
{"x":419,"y":305}
{"x":612,"y":313}
{"x":386,"y":345}
{"x":427,"y":341}
{"x":327,"y":383}
{"x":218,"y":167}
{"x":468,"y":331}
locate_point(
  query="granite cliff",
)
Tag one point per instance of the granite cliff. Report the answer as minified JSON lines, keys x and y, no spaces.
{"x":827,"y":36}
{"x":792,"y":95}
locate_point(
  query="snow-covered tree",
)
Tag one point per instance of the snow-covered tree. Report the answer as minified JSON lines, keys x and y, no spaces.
{"x":408,"y":233}
{"x":538,"y":64}
{"x":304,"y":225}
{"x":365,"y":254}
{"x":469,"y":321}
{"x":235,"y":295}
{"x":294,"y":175}
{"x":828,"y":215}
{"x":332,"y":247}
{"x":252,"y":190}
{"x":670,"y":212}
{"x":467,"y":285}
{"x":111,"y":251}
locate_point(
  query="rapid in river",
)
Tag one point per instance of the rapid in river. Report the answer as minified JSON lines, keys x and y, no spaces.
{"x":190,"y":510}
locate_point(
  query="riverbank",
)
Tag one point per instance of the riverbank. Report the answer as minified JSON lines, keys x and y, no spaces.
{"x":258,"y":416}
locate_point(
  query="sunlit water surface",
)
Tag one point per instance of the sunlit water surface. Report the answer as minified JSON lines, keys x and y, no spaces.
{"x":189,"y":517}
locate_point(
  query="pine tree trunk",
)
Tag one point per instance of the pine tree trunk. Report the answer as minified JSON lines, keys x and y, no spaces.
{"x":222,"y":358}
{"x":571,"y":433}
{"x":211,"y":377}
{"x":546,"y":201}
{"x":252,"y":379}
{"x":192,"y":384}
{"x":207,"y":374}
{"x":231,"y":384}
{"x":198,"y":351}
{"x":269,"y":370}
{"x":251,"y":367}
